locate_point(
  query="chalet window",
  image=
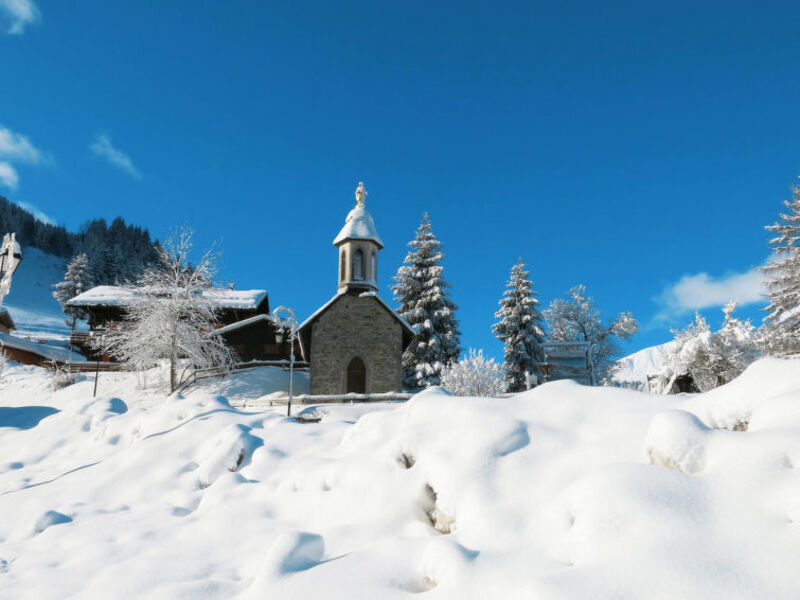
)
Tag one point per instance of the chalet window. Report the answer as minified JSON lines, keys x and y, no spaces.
{"x":358,"y":266}
{"x":356,"y":376}
{"x":343,"y":274}
{"x":374,"y":266}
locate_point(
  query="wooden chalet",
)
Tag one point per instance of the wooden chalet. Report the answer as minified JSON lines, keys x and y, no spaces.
{"x":244,"y":321}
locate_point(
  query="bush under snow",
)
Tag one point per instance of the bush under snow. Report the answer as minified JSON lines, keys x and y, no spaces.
{"x":474,"y":375}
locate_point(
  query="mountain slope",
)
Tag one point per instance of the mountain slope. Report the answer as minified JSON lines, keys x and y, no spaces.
{"x":31,"y":304}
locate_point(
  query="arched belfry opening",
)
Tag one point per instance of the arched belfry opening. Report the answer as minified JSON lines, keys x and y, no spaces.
{"x":356,"y":376}
{"x":358,"y":265}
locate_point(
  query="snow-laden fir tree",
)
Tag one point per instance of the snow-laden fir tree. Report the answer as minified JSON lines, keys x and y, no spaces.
{"x":520,"y":328}
{"x":171,"y":317}
{"x":77,"y":280}
{"x":576,"y":318}
{"x":783,"y":287}
{"x":474,"y":375}
{"x":426,"y":305}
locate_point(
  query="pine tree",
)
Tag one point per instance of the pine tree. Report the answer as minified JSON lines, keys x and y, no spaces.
{"x":783,"y":288}
{"x":76,"y":281}
{"x":520,"y":328}
{"x":425,"y":304}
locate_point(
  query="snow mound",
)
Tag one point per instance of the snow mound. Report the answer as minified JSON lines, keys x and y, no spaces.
{"x":557,"y":492}
{"x":677,"y":439}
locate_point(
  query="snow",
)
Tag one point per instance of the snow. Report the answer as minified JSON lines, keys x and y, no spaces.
{"x":358,"y":225}
{"x":563,"y":491}
{"x":113,"y":295}
{"x":31,"y":305}
{"x":634,"y":368}
{"x":46,"y":350}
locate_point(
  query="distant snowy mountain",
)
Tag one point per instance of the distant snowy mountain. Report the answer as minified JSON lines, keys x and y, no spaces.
{"x":634,"y":368}
{"x":36,"y":313}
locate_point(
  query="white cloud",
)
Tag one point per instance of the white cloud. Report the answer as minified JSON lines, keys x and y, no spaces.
{"x":103,"y":147}
{"x":16,"y":15}
{"x":17,"y":147}
{"x":8,"y":176}
{"x":38,"y":214}
{"x":696,"y":292}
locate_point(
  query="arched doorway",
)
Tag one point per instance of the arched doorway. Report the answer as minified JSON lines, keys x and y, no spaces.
{"x":356,"y":376}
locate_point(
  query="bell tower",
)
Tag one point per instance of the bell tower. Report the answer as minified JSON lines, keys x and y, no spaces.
{"x":358,"y":243}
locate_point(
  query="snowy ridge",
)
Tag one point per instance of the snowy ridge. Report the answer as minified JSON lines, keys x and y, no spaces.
{"x":634,"y":368}
{"x":564,"y":491}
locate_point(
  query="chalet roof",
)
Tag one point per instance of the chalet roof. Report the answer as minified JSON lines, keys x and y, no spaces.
{"x":116,"y":295}
{"x":243,"y":323}
{"x":44,"y":350}
{"x":359,"y":226}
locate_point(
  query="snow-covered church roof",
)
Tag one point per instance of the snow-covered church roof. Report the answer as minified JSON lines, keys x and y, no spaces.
{"x":115,"y":295}
{"x":359,"y":224}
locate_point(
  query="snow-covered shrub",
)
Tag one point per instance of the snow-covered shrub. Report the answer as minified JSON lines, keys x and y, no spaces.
{"x":3,"y":363}
{"x":709,"y":358}
{"x":60,"y":377}
{"x":474,"y":375}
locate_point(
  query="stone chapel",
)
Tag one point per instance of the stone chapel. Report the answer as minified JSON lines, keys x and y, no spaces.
{"x":355,"y":341}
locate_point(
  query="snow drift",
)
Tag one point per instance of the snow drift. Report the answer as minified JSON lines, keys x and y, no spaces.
{"x":561,"y":492}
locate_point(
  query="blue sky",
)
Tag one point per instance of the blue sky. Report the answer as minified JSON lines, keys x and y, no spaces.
{"x":638,"y":148}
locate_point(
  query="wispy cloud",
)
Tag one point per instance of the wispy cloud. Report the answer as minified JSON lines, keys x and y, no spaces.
{"x":696,"y":292}
{"x":17,"y":147}
{"x":103,"y":148}
{"x":8,"y":176}
{"x":36,"y":212}
{"x":16,"y":15}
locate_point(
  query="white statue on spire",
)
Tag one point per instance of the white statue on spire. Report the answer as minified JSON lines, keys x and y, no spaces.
{"x":361,"y":193}
{"x":10,"y":257}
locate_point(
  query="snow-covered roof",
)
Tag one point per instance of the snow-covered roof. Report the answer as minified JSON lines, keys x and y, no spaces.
{"x":242,"y":323}
{"x":115,"y":295}
{"x":358,"y":226}
{"x":49,"y":352}
{"x":327,"y":305}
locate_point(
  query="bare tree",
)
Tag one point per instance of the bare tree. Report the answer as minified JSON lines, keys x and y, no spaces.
{"x":170,"y":317}
{"x":576,"y":318}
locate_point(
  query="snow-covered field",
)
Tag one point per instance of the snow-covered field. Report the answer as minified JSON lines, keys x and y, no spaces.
{"x":561,"y":492}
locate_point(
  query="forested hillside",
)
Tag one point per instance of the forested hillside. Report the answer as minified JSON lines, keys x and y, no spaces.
{"x":116,"y":252}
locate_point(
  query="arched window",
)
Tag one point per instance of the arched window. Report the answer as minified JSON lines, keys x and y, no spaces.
{"x":374,"y":266}
{"x":358,"y":266}
{"x":343,"y":272}
{"x":356,"y":376}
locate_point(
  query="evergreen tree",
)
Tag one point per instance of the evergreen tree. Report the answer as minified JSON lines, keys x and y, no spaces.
{"x":425,"y":304}
{"x":783,"y":288}
{"x":76,"y":281}
{"x":520,"y":328}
